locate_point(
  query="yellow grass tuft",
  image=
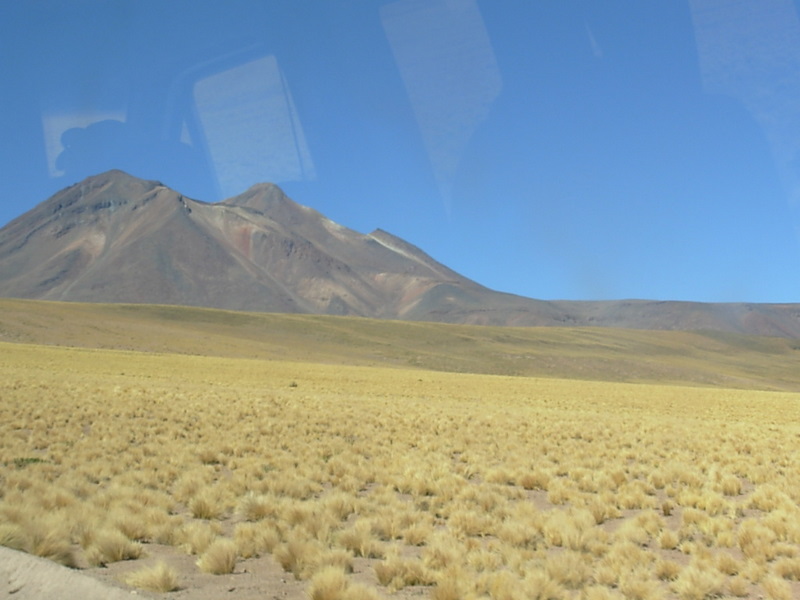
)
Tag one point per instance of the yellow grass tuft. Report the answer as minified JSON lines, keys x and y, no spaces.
{"x":13,"y":536}
{"x":206,"y":506}
{"x":111,"y":545}
{"x":768,"y":498}
{"x":219,"y":558}
{"x":776,"y":588}
{"x":739,"y":587}
{"x":396,"y":572}
{"x":196,"y":537}
{"x":301,"y":556}
{"x":503,"y":585}
{"x":667,"y":570}
{"x":787,"y":568}
{"x":418,"y":534}
{"x":538,"y":585}
{"x":699,"y":583}
{"x":328,"y":584}
{"x":450,"y":586}
{"x":340,"y":504}
{"x":254,"y":507}
{"x":756,"y":541}
{"x":255,"y":539}
{"x":442,"y":551}
{"x":639,"y":585}
{"x":668,"y":539}
{"x":731,"y":485}
{"x":360,"y":540}
{"x":569,"y":568}
{"x":534,"y":480}
{"x":335,"y":557}
{"x":55,"y":549}
{"x":726,"y":563}
{"x":134,"y":526}
{"x":158,"y":578}
{"x":331,"y":583}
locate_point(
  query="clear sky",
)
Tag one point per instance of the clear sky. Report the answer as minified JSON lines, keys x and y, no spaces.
{"x":557,"y":150}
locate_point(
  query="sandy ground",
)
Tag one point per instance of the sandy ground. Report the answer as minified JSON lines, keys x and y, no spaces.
{"x":24,"y":577}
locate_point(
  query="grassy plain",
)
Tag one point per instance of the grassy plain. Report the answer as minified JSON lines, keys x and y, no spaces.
{"x":372,"y":482}
{"x":679,"y":357}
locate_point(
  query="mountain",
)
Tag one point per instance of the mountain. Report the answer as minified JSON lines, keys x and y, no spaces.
{"x":116,"y":238}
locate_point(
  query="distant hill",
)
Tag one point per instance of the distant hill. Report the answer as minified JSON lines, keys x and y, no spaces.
{"x":588,"y":353}
{"x":116,"y":238}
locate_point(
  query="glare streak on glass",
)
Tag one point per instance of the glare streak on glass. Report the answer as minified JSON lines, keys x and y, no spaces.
{"x":448,"y":67}
{"x":750,"y":50}
{"x":251,"y":126}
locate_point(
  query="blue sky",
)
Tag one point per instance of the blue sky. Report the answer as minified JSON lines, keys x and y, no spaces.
{"x":557,"y":150}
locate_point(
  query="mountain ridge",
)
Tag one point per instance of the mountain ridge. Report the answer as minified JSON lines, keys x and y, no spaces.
{"x":116,"y":238}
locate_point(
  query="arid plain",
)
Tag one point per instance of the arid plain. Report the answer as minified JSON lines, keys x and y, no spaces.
{"x":191,"y":453}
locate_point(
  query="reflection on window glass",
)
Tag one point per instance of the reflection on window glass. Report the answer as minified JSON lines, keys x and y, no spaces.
{"x":446,"y":61}
{"x":72,"y":138}
{"x":251,"y":126}
{"x":751,"y":52}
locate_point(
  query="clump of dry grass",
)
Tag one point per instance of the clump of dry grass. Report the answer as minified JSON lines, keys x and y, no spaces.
{"x":769,"y":497}
{"x":756,"y":541}
{"x":639,"y":585}
{"x":219,"y":558}
{"x":328,"y":584}
{"x":776,"y":588}
{"x":110,"y":545}
{"x":726,"y":563}
{"x":535,"y":479}
{"x":569,"y":568}
{"x":731,"y":485}
{"x":787,"y":567}
{"x":360,"y":540}
{"x":441,"y":552}
{"x":698,"y":583}
{"x":12,"y":536}
{"x":255,"y":539}
{"x":196,"y":537}
{"x":738,"y":587}
{"x":206,"y":505}
{"x":450,"y":585}
{"x":299,"y":555}
{"x":668,"y":539}
{"x":667,"y":570}
{"x":340,"y":505}
{"x":418,"y":534}
{"x":336,"y":557}
{"x":254,"y":507}
{"x":44,"y":535}
{"x":158,"y":578}
{"x":539,"y":585}
{"x":396,"y":572}
{"x":56,"y":549}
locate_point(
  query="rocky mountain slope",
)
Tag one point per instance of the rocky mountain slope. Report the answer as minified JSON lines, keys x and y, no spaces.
{"x":116,"y":238}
